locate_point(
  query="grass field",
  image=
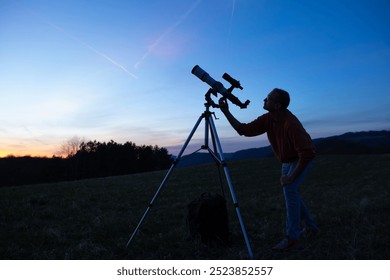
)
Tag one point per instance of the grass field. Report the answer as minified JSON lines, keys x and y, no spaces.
{"x":93,"y":219}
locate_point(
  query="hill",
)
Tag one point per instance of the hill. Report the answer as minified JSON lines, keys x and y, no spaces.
{"x":367,"y":142}
{"x":93,"y":219}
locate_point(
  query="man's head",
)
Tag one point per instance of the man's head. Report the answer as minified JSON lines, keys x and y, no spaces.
{"x":277,"y":100}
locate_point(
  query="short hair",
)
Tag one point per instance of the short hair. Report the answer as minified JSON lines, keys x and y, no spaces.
{"x":283,"y":97}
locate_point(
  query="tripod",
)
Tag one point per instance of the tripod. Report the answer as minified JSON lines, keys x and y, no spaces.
{"x":218,"y":156}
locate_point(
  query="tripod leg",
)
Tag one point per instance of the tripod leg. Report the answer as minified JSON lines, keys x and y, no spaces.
{"x":215,"y":137}
{"x":165,"y":180}
{"x":217,"y":158}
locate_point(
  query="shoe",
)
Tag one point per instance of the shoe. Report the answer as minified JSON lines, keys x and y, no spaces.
{"x":287,"y":245}
{"x":310,"y":232}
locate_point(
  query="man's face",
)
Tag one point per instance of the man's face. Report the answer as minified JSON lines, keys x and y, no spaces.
{"x":271,"y":102}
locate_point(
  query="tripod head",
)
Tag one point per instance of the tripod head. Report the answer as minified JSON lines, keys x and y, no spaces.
{"x":217,"y":87}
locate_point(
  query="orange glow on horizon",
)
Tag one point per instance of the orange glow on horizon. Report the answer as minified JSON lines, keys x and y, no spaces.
{"x":21,"y":153}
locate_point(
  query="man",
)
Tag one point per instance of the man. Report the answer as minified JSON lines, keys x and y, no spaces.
{"x":293,"y":147}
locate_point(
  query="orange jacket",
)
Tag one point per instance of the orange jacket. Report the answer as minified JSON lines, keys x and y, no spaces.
{"x":288,"y":138}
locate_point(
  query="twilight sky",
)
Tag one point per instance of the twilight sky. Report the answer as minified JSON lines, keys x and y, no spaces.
{"x":121,"y":70}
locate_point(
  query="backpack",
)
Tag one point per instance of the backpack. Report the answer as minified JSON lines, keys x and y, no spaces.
{"x":207,"y":218}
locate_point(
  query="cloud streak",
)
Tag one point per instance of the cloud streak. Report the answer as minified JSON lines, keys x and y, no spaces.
{"x":99,"y":53}
{"x":169,"y":30}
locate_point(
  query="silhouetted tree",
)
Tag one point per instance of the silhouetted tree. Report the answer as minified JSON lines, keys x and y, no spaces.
{"x":109,"y":159}
{"x":70,"y":147}
{"x":91,"y":159}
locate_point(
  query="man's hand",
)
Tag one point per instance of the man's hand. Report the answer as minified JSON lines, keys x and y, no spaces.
{"x":223,"y":105}
{"x":286,"y":180}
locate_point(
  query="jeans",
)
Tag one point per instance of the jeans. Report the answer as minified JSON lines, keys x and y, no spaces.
{"x":297,"y":211}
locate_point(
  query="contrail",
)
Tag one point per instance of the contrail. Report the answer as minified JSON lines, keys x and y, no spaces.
{"x":230,"y":25}
{"x":117,"y":64}
{"x":166,"y":33}
{"x":233,"y":7}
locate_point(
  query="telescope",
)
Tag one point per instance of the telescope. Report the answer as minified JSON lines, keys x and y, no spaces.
{"x":217,"y":153}
{"x":218,"y":86}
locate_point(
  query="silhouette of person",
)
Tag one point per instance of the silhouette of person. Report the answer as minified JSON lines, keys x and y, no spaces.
{"x":293,"y":147}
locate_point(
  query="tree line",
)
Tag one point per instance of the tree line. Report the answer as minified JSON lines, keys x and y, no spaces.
{"x":92,"y":159}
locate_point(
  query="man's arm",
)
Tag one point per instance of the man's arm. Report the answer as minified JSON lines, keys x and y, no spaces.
{"x":254,"y":128}
{"x":225,"y":110}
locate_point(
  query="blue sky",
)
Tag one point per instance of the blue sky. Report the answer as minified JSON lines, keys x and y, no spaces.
{"x":121,"y":70}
